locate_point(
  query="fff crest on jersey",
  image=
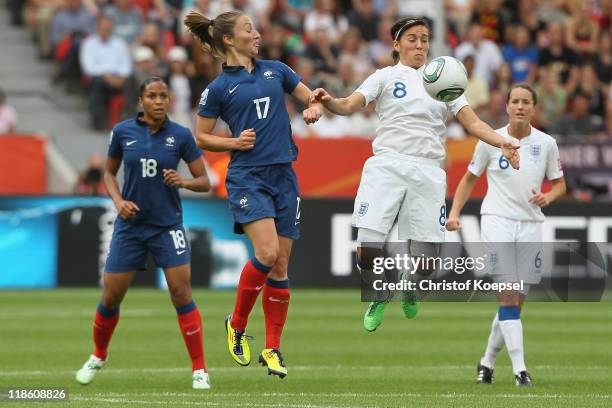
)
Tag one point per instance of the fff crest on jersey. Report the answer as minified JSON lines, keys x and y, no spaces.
{"x":268,"y":74}
{"x":170,"y":141}
{"x":363,"y":209}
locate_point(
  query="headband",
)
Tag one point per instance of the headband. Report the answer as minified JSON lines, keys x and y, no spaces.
{"x":406,"y":25}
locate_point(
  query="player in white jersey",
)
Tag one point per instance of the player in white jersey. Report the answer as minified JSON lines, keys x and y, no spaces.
{"x":405,"y":180}
{"x":511,"y":212}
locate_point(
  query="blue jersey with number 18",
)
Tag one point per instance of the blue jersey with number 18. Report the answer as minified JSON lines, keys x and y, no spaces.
{"x":255,"y":100}
{"x":145,"y":156}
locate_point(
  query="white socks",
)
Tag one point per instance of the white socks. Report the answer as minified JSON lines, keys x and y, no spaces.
{"x":494,"y":345}
{"x":512,"y":331}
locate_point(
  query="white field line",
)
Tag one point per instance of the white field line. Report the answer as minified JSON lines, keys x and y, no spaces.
{"x":197,"y":403}
{"x":8,"y":373}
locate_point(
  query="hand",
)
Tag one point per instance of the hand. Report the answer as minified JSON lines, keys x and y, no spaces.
{"x":312,"y":114}
{"x":172,"y":178}
{"x":510,"y":152}
{"x":453,"y":224}
{"x":127,"y":209}
{"x":538,"y":198}
{"x":246,"y":140}
{"x":320,"y":95}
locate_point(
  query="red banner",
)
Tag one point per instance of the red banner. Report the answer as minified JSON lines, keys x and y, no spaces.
{"x":23,"y":165}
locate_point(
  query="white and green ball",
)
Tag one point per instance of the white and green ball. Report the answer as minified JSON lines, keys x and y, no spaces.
{"x":445,"y":78}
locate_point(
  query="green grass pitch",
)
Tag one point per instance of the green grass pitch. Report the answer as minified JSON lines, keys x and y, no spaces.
{"x":426,"y":362}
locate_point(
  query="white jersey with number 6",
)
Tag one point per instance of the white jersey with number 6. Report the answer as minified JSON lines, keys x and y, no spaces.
{"x":411,"y":122}
{"x":509,"y":190}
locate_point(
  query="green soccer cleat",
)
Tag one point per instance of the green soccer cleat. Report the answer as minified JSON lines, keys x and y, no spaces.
{"x":374,"y":315}
{"x":237,"y":343}
{"x":89,"y":370}
{"x":273,"y":359}
{"x":410,"y":304}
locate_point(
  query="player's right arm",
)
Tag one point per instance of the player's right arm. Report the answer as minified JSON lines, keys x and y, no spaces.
{"x":213,"y":143}
{"x":339,"y":106}
{"x":464,"y":190}
{"x":126,"y":209}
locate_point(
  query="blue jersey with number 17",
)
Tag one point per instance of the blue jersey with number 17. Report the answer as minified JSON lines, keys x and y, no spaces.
{"x":254,"y":100}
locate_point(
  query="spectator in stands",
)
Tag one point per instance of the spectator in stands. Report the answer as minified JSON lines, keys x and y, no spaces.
{"x":354,"y":51}
{"x":487,"y":57}
{"x":145,"y":66}
{"x":151,"y":37}
{"x":106,"y":60}
{"x":582,"y":32}
{"x":603,"y":59}
{"x":201,"y":72}
{"x":346,"y":81}
{"x":552,"y":100}
{"x":527,"y":16}
{"x":503,"y":78}
{"x":180,"y":90}
{"x":578,"y":125}
{"x":522,"y":57}
{"x":381,"y":48}
{"x":365,"y":18}
{"x":90,"y":180}
{"x":274,"y":45}
{"x":322,"y":53}
{"x":551,"y":10}
{"x":325,"y":16}
{"x":477,"y":90}
{"x":127,"y":20}
{"x":8,"y":116}
{"x":306,"y":70}
{"x":556,"y":56}
{"x":588,"y":84}
{"x":496,"y":115}
{"x":460,"y":13}
{"x":492,"y":18}
{"x":73,"y":22}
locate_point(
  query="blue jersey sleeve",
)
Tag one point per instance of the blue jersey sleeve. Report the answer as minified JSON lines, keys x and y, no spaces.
{"x":290,"y":78}
{"x":189,"y":150}
{"x":114,"y":144}
{"x":210,"y":102}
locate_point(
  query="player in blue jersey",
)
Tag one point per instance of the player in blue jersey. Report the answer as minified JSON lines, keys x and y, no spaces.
{"x":262,"y":187}
{"x":150,"y":221}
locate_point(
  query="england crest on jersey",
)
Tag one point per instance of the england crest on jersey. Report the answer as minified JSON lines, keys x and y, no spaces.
{"x":536,"y":150}
{"x":363,"y":209}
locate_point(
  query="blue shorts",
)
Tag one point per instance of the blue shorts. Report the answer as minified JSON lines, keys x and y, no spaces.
{"x":265,"y":192}
{"x":132,"y":242}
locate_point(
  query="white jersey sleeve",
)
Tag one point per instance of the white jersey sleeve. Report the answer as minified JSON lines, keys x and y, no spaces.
{"x":480,"y":159}
{"x":554,"y":169}
{"x":458,"y":104}
{"x":372,"y":87}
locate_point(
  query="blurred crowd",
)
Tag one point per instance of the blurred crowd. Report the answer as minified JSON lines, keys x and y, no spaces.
{"x":563,"y":47}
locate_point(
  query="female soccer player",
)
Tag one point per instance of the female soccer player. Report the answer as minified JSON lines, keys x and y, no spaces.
{"x":262,"y":188}
{"x":150,"y":221}
{"x":405,"y":177}
{"x":511,"y":213}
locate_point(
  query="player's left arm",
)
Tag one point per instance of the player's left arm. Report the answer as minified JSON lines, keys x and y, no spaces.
{"x":476,"y":127}
{"x":557,"y":190}
{"x":200,"y":182}
{"x":314,"y":110}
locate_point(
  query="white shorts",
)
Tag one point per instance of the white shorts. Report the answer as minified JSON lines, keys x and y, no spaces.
{"x":409,"y":189}
{"x":514,"y":249}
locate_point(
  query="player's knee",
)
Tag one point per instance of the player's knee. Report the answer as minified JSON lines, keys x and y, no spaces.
{"x":279,"y":270}
{"x":267,"y":254}
{"x":180,"y":295}
{"x":366,"y":257}
{"x":509,"y":298}
{"x":111,"y":299}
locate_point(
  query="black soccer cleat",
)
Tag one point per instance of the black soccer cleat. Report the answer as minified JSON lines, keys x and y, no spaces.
{"x":485,"y":375}
{"x":523,"y":379}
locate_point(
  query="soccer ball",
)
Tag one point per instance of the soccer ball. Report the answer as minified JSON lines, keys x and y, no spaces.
{"x":445,"y":79}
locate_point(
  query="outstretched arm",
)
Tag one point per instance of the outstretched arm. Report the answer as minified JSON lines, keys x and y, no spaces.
{"x":314,"y":110}
{"x":464,"y":190}
{"x":339,"y":106}
{"x":484,"y":132}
